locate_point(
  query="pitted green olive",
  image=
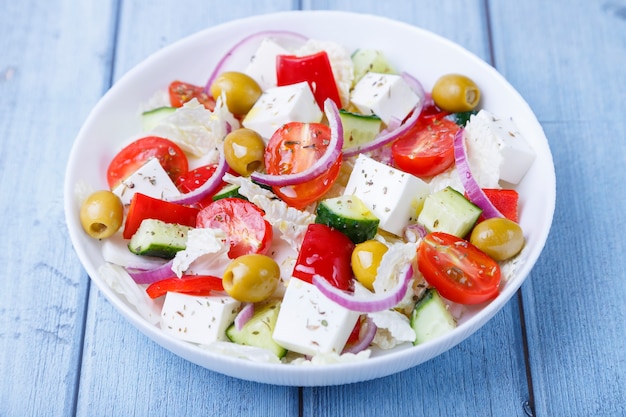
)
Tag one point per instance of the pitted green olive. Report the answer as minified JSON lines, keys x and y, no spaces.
{"x":244,"y":151}
{"x":241,"y":91}
{"x":251,"y":278}
{"x":456,"y":93}
{"x":499,"y":238}
{"x":101,"y":214}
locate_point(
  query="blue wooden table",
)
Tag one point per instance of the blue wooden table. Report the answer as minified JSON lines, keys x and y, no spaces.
{"x":557,"y":349}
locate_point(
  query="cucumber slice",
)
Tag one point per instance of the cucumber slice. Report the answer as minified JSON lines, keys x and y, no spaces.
{"x":430,"y":317}
{"x":369,"y":60}
{"x":152,"y":118}
{"x":348,"y":214}
{"x":230,"y":190}
{"x":450,"y":212}
{"x":157,"y":238}
{"x":258,"y":330}
{"x":358,"y":129}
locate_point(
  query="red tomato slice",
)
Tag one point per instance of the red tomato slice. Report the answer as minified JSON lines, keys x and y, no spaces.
{"x":181,"y":92}
{"x":315,"y":69}
{"x":133,"y":156}
{"x":293,"y":148}
{"x":194,"y":179}
{"x":427,"y":149}
{"x":247,"y":230}
{"x":457,"y":269}
{"x":325,"y":252}
{"x":188,"y":284}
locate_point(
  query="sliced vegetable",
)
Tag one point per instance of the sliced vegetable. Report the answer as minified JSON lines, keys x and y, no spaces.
{"x":150,"y":276}
{"x":358,"y":129}
{"x":248,"y":232}
{"x":152,"y":118}
{"x":431,"y":318}
{"x":160,"y":239}
{"x":144,"y":207}
{"x":258,"y":330}
{"x":369,"y":60}
{"x":448,"y":211}
{"x":181,"y":92}
{"x":349,"y":215}
{"x":314,"y":69}
{"x":195,"y":179}
{"x":362,"y":337}
{"x":188,"y":284}
{"x":325,"y":253}
{"x":208,"y":188}
{"x":505,"y":200}
{"x":457,"y":269}
{"x":128,"y":160}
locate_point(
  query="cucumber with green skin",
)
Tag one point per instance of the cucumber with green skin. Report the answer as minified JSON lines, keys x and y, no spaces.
{"x":450,"y":212}
{"x":430,"y":317}
{"x":158,"y":238}
{"x":369,"y":60}
{"x":348,"y":214}
{"x":258,"y":330}
{"x":152,"y":118}
{"x":229,"y":190}
{"x":358,"y":129}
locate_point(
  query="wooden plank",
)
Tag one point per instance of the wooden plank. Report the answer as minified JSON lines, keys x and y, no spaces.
{"x":570,"y":67}
{"x":115,"y":352}
{"x":484,"y":375}
{"x":43,"y":101}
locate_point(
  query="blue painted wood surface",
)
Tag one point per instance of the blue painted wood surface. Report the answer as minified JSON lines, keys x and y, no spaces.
{"x":557,"y":349}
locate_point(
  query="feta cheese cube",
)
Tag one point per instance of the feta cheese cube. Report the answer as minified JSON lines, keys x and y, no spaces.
{"x":387,"y":96}
{"x":280,"y":105}
{"x":262,"y":66}
{"x":198,"y":319}
{"x":392,"y":195}
{"x":150,"y":179}
{"x":310,"y":323}
{"x":516,"y":155}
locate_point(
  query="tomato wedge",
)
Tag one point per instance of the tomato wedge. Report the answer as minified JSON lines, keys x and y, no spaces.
{"x":325,"y":252}
{"x":194,"y":179}
{"x":181,"y":92}
{"x":248,"y":232}
{"x":133,"y":156}
{"x":188,"y":284}
{"x":457,"y":269}
{"x":427,"y":149}
{"x":293,"y":148}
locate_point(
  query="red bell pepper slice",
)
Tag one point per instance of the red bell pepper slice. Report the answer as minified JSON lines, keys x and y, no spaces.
{"x":505,"y":200}
{"x":315,"y":69}
{"x":325,"y":252}
{"x":200,"y":285}
{"x":146,"y":207}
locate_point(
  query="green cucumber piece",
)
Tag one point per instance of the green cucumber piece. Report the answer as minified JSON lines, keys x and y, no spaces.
{"x":370,"y":60}
{"x":462,"y":118}
{"x":430,"y":317}
{"x":450,"y":212}
{"x":230,"y":190}
{"x":160,"y":239}
{"x":358,"y":129}
{"x":152,"y":118}
{"x":259,"y":329}
{"x":348,"y":214}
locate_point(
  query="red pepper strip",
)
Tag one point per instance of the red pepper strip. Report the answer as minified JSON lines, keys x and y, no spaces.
{"x":505,"y":200}
{"x":146,"y":207}
{"x":315,"y":69}
{"x":189,"y":284}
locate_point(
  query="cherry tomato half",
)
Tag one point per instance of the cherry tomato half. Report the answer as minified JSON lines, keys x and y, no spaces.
{"x":248,"y":232}
{"x":457,"y":269}
{"x":137,"y":153}
{"x":194,"y":179}
{"x":181,"y":92}
{"x":293,"y":148}
{"x":426,"y":149}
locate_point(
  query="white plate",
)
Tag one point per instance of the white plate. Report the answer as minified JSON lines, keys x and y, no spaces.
{"x":115,"y":119}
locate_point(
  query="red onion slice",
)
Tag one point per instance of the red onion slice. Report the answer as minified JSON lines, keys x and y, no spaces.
{"x":333,"y":151}
{"x":366,"y":335}
{"x":472,"y":188}
{"x":208,"y":187}
{"x":377,"y":302}
{"x":244,"y":42}
{"x":244,"y":315}
{"x":152,"y":275}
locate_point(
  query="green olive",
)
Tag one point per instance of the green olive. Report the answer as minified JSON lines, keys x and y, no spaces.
{"x":456,"y":93}
{"x":241,"y":91}
{"x":499,"y":238}
{"x":366,"y":258}
{"x":101,"y":214}
{"x":244,"y":151}
{"x":251,"y":278}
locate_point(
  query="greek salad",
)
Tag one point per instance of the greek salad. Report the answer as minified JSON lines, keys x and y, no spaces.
{"x":314,"y":205}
